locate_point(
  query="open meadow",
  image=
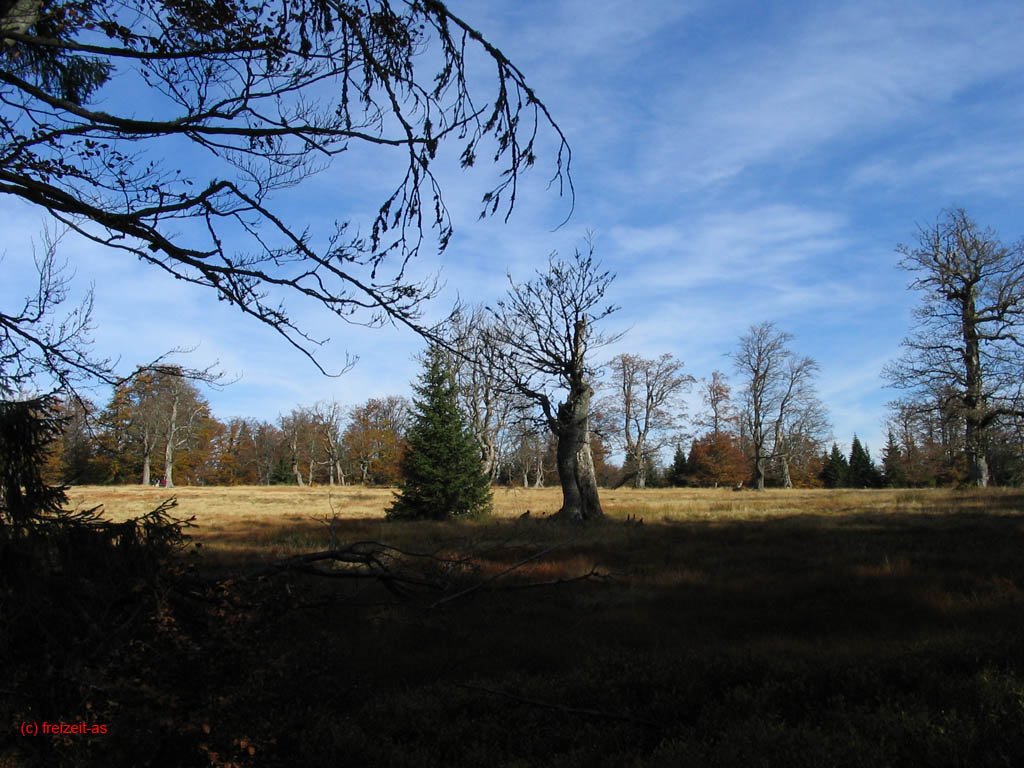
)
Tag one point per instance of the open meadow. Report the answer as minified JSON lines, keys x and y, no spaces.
{"x":281,"y":519}
{"x":692,"y":628}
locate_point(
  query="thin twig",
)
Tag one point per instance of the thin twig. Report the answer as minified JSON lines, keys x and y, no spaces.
{"x":302,"y":561}
{"x":373,"y":561}
{"x":591,"y":574}
{"x":495,"y":577}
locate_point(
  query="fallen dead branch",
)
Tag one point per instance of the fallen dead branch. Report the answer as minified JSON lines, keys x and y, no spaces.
{"x":367,"y":560}
{"x":394,"y":569}
{"x":490,"y":580}
{"x":593,"y":573}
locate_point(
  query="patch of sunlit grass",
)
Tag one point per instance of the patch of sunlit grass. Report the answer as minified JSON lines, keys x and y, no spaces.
{"x":897,"y":566}
{"x":279,"y":521}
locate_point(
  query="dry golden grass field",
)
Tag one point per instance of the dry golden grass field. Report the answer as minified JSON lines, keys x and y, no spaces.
{"x":258,"y":517}
{"x":692,"y":628}
{"x":353,"y":501}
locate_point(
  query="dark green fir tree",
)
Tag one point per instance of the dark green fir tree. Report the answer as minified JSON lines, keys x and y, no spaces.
{"x":27,"y":429}
{"x":836,"y":472}
{"x":678,"y":472}
{"x":442,"y":475}
{"x":893,"y":473}
{"x":863,"y":473}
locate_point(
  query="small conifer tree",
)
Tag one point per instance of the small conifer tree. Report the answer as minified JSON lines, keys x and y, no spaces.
{"x":442,"y":473}
{"x":893,"y":473}
{"x":863,"y":473}
{"x":677,"y":475}
{"x":27,"y":429}
{"x":836,"y":471}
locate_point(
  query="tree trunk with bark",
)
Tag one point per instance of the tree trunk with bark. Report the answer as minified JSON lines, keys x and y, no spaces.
{"x":963,"y":361}
{"x":759,"y":471}
{"x":296,"y":470}
{"x":580,"y":501}
{"x":488,"y":455}
{"x":172,"y":431}
{"x":640,"y":462}
{"x":544,"y":329}
{"x":782,"y":454}
{"x":974,"y":395}
{"x":787,"y":479}
{"x":147,"y":452}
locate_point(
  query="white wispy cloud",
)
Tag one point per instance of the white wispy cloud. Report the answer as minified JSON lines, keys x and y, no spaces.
{"x":737,"y":162}
{"x":841,"y":73}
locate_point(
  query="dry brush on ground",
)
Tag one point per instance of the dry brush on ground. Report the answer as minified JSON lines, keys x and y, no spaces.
{"x":800,"y":628}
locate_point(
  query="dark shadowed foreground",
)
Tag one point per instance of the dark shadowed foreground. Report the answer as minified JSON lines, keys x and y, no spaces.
{"x":830,"y":638}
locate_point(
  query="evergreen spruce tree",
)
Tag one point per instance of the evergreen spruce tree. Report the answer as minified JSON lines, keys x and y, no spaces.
{"x":677,"y":473}
{"x":836,"y":472}
{"x":862,"y":473}
{"x":281,"y":474}
{"x":894,"y":474}
{"x":442,"y":474}
{"x":27,"y":429}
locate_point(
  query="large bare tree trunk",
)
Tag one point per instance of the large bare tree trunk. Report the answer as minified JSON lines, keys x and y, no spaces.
{"x":977,"y":462}
{"x":544,"y":327}
{"x":979,"y":468}
{"x":641,"y":469}
{"x":172,"y":431}
{"x":147,"y":452}
{"x":782,"y":454}
{"x":295,"y":461}
{"x":488,"y":455}
{"x":759,"y":471}
{"x":963,"y":361}
{"x":580,"y":502}
{"x":974,"y":399}
{"x":168,"y":466}
{"x":787,"y":480}
{"x":169,"y":469}
{"x":537,"y":461}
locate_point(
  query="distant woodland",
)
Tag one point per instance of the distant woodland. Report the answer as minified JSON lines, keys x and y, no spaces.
{"x":158,"y":428}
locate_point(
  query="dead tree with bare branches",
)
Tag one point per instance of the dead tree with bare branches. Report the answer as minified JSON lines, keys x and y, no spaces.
{"x":645,"y":406}
{"x":965,"y":358}
{"x":546,"y":326}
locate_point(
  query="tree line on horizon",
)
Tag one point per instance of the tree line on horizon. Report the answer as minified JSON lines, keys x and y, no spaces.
{"x":540,"y":411}
{"x":158,"y":429}
{"x":525,"y":365}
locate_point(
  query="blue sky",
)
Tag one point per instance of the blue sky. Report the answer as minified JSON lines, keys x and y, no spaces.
{"x":736,"y":161}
